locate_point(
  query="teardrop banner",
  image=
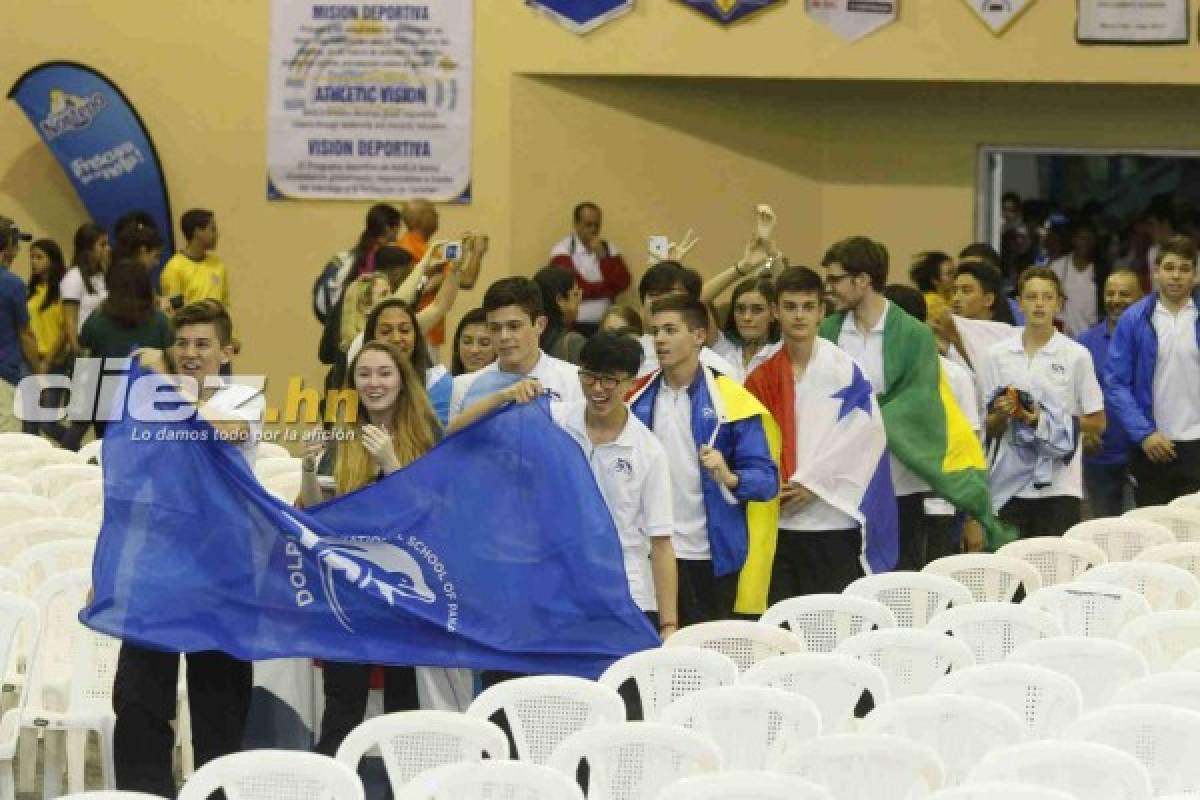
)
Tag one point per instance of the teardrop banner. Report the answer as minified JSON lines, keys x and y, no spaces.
{"x":853,"y":19}
{"x":729,"y":11}
{"x":581,"y":16}
{"x":998,"y":15}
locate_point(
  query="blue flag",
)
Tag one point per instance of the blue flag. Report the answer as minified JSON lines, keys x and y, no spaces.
{"x":493,"y":551}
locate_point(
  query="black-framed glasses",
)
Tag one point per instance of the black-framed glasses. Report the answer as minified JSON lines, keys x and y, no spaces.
{"x":608,"y":382}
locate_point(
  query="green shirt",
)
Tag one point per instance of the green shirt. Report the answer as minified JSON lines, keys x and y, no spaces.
{"x":104,"y":338}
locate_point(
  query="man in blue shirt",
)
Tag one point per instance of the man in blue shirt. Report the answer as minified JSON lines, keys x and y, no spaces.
{"x":16,"y":337}
{"x":1106,"y":459}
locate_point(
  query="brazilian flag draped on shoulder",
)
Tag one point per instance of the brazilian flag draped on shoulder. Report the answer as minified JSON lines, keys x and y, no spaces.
{"x":926,"y":430}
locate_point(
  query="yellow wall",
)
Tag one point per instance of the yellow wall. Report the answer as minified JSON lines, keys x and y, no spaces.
{"x":878,"y":137}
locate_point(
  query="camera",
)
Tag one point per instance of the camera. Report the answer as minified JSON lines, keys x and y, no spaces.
{"x":452,"y":251}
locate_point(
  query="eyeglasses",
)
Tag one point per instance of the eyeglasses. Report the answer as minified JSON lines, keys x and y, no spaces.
{"x":592,"y":378}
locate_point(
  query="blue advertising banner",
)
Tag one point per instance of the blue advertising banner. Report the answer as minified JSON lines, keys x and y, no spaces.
{"x":99,"y":140}
{"x":581,"y":16}
{"x":727,"y":11}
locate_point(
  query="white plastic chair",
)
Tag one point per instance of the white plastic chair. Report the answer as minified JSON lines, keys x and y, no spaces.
{"x":543,"y":710}
{"x":912,"y":597}
{"x":1164,"y":637}
{"x":20,"y":536}
{"x":857,"y":766}
{"x":272,"y":450}
{"x":753,"y":726}
{"x":14,"y":485}
{"x":269,"y":467}
{"x":1165,"y":587}
{"x":1100,"y":667}
{"x":285,"y":486}
{"x":824,"y":621}
{"x":92,"y":450}
{"x":17,"y":507}
{"x":745,"y":785}
{"x":1189,"y":661}
{"x":745,"y":643}
{"x":961,"y":730}
{"x":1120,"y":538}
{"x":634,"y":760}
{"x":1175,"y":689}
{"x":834,"y":682}
{"x":1186,"y":501}
{"x":1183,"y":522}
{"x":490,"y":780}
{"x":15,"y":442}
{"x":112,"y":794}
{"x":411,"y":742}
{"x":1092,"y":609}
{"x":275,"y":775}
{"x":23,"y":462}
{"x":1082,"y":769}
{"x":990,"y":577}
{"x":1185,"y":555}
{"x":84,"y":500}
{"x":19,"y":619}
{"x":10,"y":581}
{"x":1047,"y":701}
{"x":664,"y":674}
{"x":911,"y":660}
{"x":1057,"y":560}
{"x":38,"y":563}
{"x":992,"y":630}
{"x":1002,"y":791}
{"x":1165,"y":740}
{"x":50,"y":481}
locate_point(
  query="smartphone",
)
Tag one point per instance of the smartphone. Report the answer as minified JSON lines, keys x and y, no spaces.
{"x":452,"y":251}
{"x":659,"y":246}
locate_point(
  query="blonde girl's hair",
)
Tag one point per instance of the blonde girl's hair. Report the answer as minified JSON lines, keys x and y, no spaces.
{"x":415,"y":428}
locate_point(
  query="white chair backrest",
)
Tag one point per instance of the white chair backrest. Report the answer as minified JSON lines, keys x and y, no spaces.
{"x":19,"y":536}
{"x":1099,"y":666}
{"x":272,"y":450}
{"x":411,"y":742}
{"x":273,"y":775}
{"x":492,"y":780}
{"x":1002,"y":790}
{"x":1175,"y":689}
{"x":1057,"y":560}
{"x":753,"y":726}
{"x":835,"y":682}
{"x":14,"y":485}
{"x":1120,"y":538}
{"x":285,"y":486}
{"x":745,"y":643}
{"x":1081,"y":769}
{"x":112,"y":794}
{"x":84,"y":500}
{"x":1164,"y":637}
{"x":23,"y":462}
{"x":1085,"y":608}
{"x":69,"y":654}
{"x":16,"y":442}
{"x":992,"y":630}
{"x":1189,"y":661}
{"x":92,"y":450}
{"x":664,"y":674}
{"x":269,"y":467}
{"x":745,"y":785}
{"x":961,"y":730}
{"x":1183,"y":522}
{"x":1185,"y":555}
{"x":50,"y":481}
{"x":10,"y":581}
{"x":912,"y":597}
{"x":541,"y":711}
{"x":19,"y":622}
{"x":18,"y":507}
{"x":635,"y":760}
{"x":1186,"y":501}
{"x":824,"y":621}
{"x":1047,"y":701}
{"x":856,"y":766}
{"x":1165,"y":740}
{"x":1165,"y":586}
{"x":41,"y":561}
{"x":990,"y":577}
{"x":911,"y":660}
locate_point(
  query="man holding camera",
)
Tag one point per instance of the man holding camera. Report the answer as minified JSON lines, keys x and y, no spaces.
{"x":16,"y":337}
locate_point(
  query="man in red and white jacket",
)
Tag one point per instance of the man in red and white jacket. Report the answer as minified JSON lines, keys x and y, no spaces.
{"x":598,"y":268}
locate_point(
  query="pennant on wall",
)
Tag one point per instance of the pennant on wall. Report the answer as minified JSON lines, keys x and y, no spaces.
{"x":998,"y":15}
{"x":1132,"y":21}
{"x":727,"y":11}
{"x":853,"y":19}
{"x":581,"y":16}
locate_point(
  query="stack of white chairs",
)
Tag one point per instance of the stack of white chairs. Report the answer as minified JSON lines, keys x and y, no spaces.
{"x":1182,"y":521}
{"x":991,"y":578}
{"x":19,"y":620}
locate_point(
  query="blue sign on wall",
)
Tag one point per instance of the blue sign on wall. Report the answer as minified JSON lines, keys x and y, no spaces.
{"x":582,"y":16}
{"x":727,"y":11}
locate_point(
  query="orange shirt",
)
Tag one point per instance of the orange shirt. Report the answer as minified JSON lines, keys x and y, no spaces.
{"x":416,"y":245}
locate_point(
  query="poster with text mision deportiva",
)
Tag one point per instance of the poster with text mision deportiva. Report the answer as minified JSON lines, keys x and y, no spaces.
{"x":370,"y":100}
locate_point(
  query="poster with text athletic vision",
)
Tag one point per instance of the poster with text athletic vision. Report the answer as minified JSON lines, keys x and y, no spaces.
{"x":370,"y":100}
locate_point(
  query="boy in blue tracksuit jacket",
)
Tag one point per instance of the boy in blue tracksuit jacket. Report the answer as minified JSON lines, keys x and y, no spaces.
{"x":1153,"y":379}
{"x":718,"y":440}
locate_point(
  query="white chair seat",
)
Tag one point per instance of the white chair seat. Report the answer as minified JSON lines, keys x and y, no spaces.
{"x":990,"y":577}
{"x":912,"y":597}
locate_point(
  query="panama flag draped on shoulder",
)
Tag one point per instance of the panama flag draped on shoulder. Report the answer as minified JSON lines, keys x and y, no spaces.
{"x":926,"y":430}
{"x":834,"y":443}
{"x":493,"y":551}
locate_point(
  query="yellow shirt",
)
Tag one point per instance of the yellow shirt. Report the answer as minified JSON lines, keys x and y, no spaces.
{"x":195,"y":280}
{"x":47,"y":324}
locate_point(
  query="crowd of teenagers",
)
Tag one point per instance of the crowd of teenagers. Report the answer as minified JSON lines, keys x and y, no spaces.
{"x":694,"y":406}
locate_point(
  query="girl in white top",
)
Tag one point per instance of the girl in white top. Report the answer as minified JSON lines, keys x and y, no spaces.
{"x":750,"y":328}
{"x":82,"y":288}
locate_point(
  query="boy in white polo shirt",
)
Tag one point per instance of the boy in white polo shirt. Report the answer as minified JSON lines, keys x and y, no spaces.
{"x":1047,"y":366}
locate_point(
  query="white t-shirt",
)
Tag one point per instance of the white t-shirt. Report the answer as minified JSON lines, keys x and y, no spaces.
{"x":591,"y":311}
{"x":72,"y":288}
{"x":633,"y":477}
{"x":1079,"y":285}
{"x":559,"y":378}
{"x":673,"y":427}
{"x":708,"y":358}
{"x":1064,"y":369}
{"x":234,"y":401}
{"x":1177,"y":374}
{"x":734,"y":354}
